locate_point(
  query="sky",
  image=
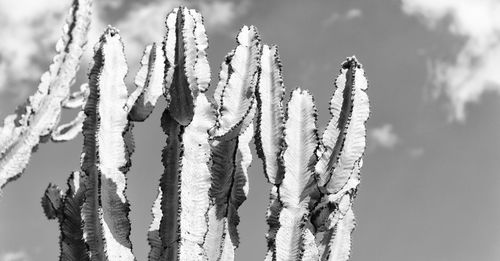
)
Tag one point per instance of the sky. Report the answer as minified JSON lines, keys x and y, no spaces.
{"x":430,"y":181}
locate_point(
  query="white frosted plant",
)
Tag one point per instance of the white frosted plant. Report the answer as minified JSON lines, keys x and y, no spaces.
{"x":207,"y":152}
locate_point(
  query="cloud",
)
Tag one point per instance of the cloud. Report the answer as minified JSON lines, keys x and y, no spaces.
{"x":143,"y":25}
{"x":220,"y":14}
{"x":475,"y":69}
{"x":15,"y":256}
{"x":28,"y":35}
{"x":349,"y":15}
{"x":383,"y":136}
{"x":353,"y":13}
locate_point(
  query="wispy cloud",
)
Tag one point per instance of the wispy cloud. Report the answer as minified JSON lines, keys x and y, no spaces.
{"x":15,"y":256}
{"x":475,"y":69}
{"x":349,"y":15}
{"x":383,"y":136}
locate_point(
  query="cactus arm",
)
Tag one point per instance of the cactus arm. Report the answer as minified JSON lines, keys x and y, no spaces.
{"x":344,"y":139}
{"x":70,"y":130}
{"x":270,"y":116}
{"x":169,"y":184}
{"x":223,"y":166}
{"x":42,"y":112}
{"x":186,"y":180}
{"x":239,"y":187}
{"x":201,"y":67}
{"x":334,"y":135}
{"x":149,"y":82}
{"x":299,"y":157}
{"x":269,"y":135}
{"x":180,"y":93}
{"x":66,"y":208}
{"x":338,"y":169}
{"x":235,"y":94}
{"x":107,"y":148}
{"x":77,"y":99}
{"x":236,"y":108}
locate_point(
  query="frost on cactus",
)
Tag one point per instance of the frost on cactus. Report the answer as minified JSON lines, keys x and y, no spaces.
{"x":310,"y":215}
{"x":39,"y":117}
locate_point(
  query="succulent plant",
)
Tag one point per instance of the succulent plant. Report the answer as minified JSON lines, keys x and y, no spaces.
{"x":207,"y":154}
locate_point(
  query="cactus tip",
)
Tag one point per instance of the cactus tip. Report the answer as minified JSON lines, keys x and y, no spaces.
{"x":351,"y":62}
{"x":112,"y":31}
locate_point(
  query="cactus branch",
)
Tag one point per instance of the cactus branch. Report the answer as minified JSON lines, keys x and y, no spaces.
{"x":106,"y":155}
{"x":22,"y":133}
{"x":299,"y":158}
{"x":149,"y":82}
{"x":66,"y":208}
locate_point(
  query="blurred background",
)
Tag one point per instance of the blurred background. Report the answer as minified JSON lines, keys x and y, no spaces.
{"x":430,"y":183}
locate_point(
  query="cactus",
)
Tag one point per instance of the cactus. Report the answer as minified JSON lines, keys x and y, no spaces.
{"x":207,"y":153}
{"x":314,"y":183}
{"x":38,"y":119}
{"x":198,"y":203}
{"x":66,"y":208}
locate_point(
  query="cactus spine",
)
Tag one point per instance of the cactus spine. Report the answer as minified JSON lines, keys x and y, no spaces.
{"x":39,"y":118}
{"x":207,"y":152}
